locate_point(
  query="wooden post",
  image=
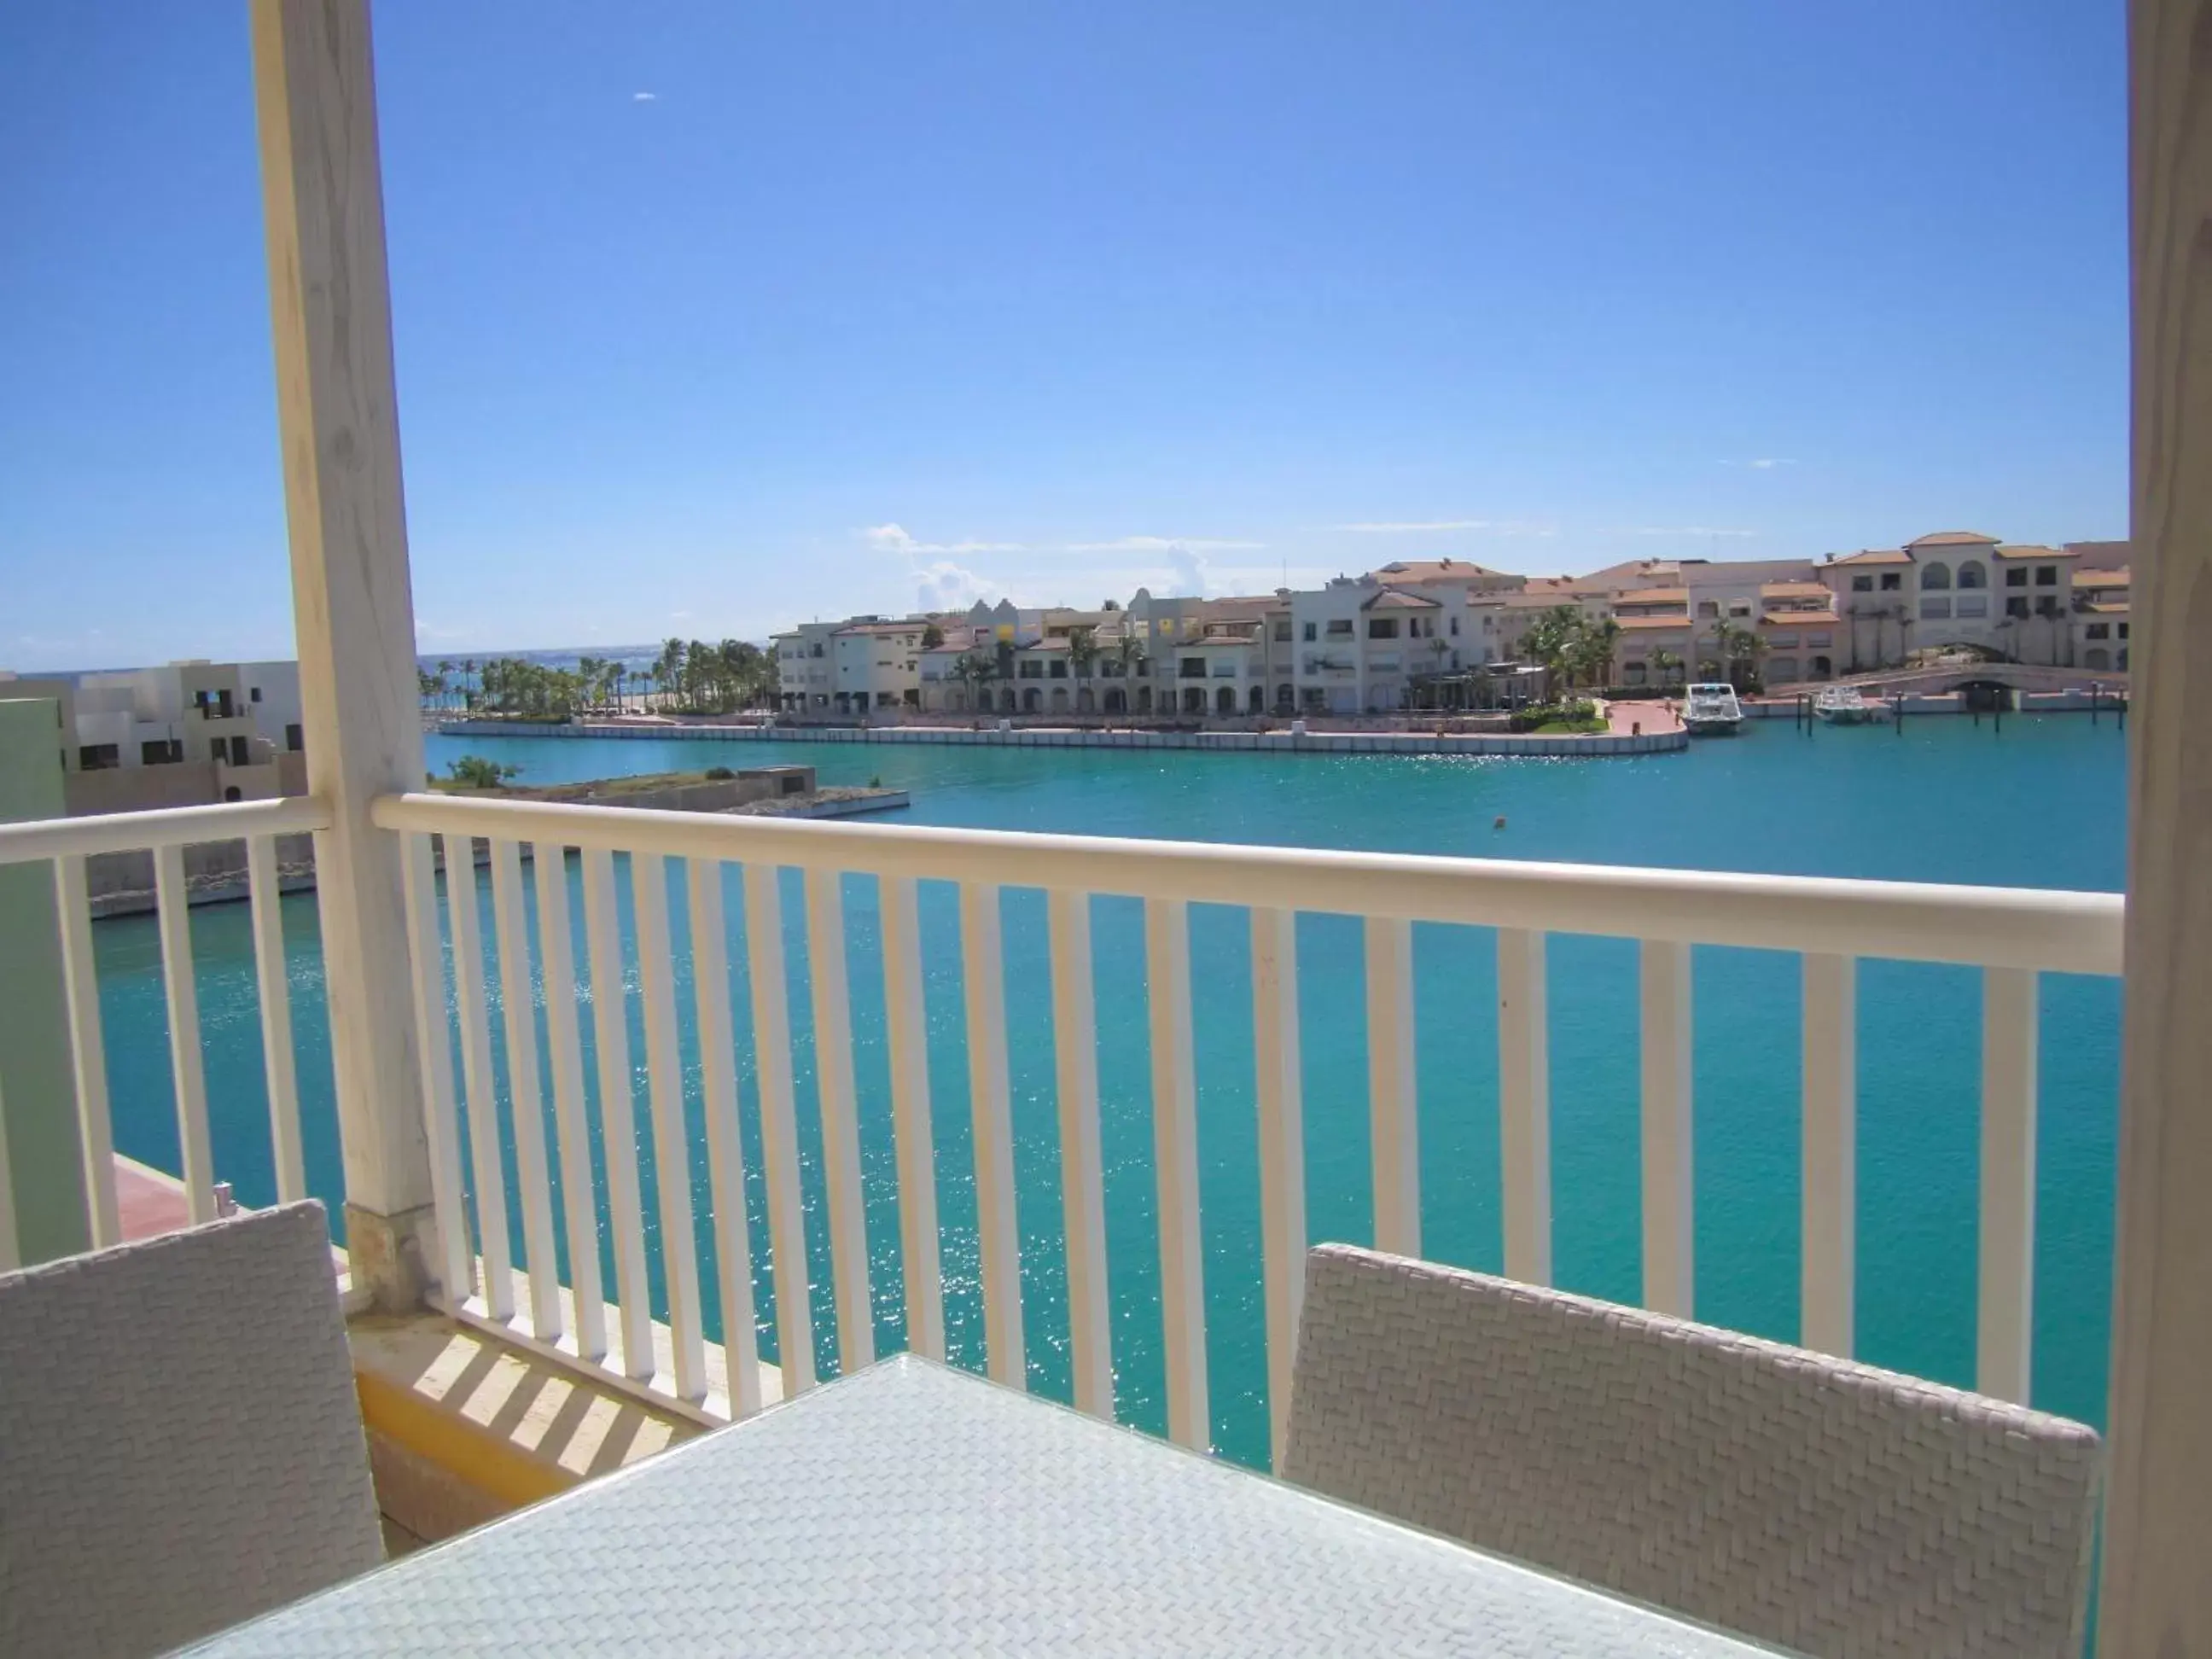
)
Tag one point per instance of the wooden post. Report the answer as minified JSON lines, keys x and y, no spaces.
{"x":353,"y":611}
{"x":2157,"y":1593}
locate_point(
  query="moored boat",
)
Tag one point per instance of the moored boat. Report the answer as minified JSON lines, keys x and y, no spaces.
{"x":1709,"y":709}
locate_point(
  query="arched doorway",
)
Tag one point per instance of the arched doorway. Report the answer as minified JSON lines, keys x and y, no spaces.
{"x":1084,"y":703}
{"x":1194,"y":699}
{"x":1030,"y":700}
{"x":1257,"y":700}
{"x":1823,"y":668}
{"x":1225,"y":700}
{"x":1144,"y":700}
{"x":1007,"y":700}
{"x":2096,"y":656}
{"x":1060,"y":700}
{"x":1286,"y":699}
{"x":1117,"y":702}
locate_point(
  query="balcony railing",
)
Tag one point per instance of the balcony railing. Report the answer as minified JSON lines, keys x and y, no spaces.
{"x":65,"y":844}
{"x":495,"y":1103}
{"x":2012,"y":935}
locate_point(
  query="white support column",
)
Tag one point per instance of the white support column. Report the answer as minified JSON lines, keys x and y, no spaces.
{"x":2158,"y":1511}
{"x":352,"y":611}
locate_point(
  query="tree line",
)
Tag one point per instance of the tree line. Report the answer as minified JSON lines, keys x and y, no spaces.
{"x":1576,"y":650}
{"x":688,"y":677}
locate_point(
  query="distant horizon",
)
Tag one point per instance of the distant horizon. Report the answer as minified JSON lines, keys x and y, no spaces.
{"x":710,"y":319}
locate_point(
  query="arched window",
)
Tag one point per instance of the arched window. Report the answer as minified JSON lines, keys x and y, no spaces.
{"x":1934,"y":576}
{"x":1224,"y":701}
{"x":1972,"y":574}
{"x":1258,"y":698}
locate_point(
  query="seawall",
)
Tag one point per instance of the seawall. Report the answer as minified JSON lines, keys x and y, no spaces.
{"x":1266,"y":743}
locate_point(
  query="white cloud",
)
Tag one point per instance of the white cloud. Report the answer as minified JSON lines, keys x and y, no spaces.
{"x":1170,"y":544}
{"x":944,"y":585}
{"x":1765,"y":463}
{"x":645,"y":98}
{"x":895,"y":538}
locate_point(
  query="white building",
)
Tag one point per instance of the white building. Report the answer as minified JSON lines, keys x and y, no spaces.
{"x":1955,"y":587}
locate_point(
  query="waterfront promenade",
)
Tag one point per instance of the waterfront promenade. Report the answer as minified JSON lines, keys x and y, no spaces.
{"x":1622,"y":739}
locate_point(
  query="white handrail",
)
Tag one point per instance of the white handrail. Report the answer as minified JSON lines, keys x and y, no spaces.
{"x":170,"y":826}
{"x":2042,"y":930}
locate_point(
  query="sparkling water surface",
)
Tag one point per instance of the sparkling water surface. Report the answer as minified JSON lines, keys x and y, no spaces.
{"x":2040,"y":804}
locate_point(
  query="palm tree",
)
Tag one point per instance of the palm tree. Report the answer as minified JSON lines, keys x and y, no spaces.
{"x":1594,"y":644}
{"x":1082,"y":651}
{"x":1667,"y":662}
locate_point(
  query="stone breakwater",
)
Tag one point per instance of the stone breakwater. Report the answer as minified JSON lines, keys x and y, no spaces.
{"x":1265,"y":743}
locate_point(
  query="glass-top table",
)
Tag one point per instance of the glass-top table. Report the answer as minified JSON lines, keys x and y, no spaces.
{"x":914,"y":1509}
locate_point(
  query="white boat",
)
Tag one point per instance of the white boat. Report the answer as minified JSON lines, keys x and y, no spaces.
{"x":1710,"y":710}
{"x":1842,"y":705}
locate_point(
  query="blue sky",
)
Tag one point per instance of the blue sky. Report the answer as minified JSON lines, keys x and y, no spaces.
{"x":712,"y":318}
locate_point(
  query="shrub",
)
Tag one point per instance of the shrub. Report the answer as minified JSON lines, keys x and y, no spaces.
{"x":475,"y":772}
{"x":719,"y":774}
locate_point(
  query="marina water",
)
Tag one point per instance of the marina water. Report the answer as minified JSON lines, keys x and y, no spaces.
{"x":2041,"y":804}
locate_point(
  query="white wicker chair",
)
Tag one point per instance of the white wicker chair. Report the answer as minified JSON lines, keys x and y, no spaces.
{"x":180,"y":1443}
{"x":1804,"y":1500}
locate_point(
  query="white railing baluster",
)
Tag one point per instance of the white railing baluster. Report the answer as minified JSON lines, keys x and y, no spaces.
{"x":88,"y":1051}
{"x":556,"y":962}
{"x":1392,"y":1114}
{"x":1524,"y":1106}
{"x":787,"y":1214}
{"x":840,"y":1122}
{"x":273,"y":984}
{"x":617,"y":1110}
{"x":185,"y":1065}
{"x":1280,"y":1091}
{"x":906,"y":1026}
{"x":526,"y":1102}
{"x":2006,"y":1325}
{"x":434,"y":1053}
{"x":1082,"y":1172}
{"x":725,"y":1157}
{"x":671,"y":1152}
{"x":1827,"y":1295}
{"x":489,"y":1174}
{"x":998,"y":1234}
{"x":1669,"y":1266}
{"x":1175,"y":1154}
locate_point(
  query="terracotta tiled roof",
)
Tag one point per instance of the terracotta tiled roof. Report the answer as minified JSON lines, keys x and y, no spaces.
{"x":1793,"y":590}
{"x":2112,"y":608}
{"x":1800,"y":619}
{"x":2029,"y":550}
{"x":1391,"y":599}
{"x":1953,"y":538}
{"x":1632,"y":624}
{"x":1655,"y":596}
{"x":1877,"y":555}
{"x":1430,"y":571}
{"x":2101,"y":577}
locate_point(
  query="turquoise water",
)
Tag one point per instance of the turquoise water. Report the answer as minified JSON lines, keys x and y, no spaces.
{"x":2042,"y":803}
